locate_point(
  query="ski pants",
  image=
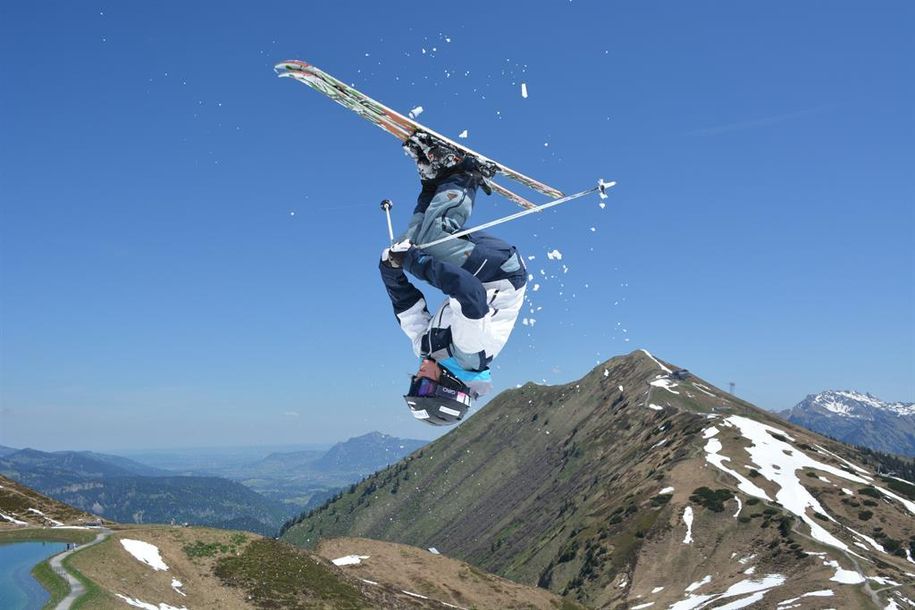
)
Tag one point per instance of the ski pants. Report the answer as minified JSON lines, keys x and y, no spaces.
{"x":447,"y":213}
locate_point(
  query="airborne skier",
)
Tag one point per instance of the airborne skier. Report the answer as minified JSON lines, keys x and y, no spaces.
{"x":483,"y":277}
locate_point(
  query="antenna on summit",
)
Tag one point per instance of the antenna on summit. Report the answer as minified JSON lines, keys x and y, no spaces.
{"x":731,"y":387}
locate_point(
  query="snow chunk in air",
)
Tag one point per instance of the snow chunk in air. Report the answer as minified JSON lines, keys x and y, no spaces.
{"x":554,"y":255}
{"x":416,"y":112}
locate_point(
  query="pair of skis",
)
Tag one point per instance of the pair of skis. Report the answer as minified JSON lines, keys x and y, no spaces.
{"x":403,"y":128}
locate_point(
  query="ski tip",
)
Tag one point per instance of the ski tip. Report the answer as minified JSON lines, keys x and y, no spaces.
{"x":291,"y":65}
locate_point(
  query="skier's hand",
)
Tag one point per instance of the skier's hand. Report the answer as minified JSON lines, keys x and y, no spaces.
{"x":388,"y":260}
{"x":393,"y":256}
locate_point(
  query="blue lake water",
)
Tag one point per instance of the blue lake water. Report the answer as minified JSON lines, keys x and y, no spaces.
{"x":18,"y":590}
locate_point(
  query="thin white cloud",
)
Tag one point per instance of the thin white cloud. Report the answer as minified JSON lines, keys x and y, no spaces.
{"x":755,"y":123}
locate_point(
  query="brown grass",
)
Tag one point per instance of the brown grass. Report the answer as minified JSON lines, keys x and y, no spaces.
{"x":438,"y":577}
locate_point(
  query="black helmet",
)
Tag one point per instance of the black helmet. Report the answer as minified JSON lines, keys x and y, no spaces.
{"x":439,"y":403}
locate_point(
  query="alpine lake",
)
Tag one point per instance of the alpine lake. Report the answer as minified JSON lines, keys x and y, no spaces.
{"x":21,"y":549}
{"x":18,"y":589}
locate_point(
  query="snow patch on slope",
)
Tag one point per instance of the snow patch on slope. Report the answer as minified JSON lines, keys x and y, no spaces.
{"x":349,"y":560}
{"x":688,"y":520}
{"x":145,"y":552}
{"x":12,"y":519}
{"x":778,"y":461}
{"x":667,"y":384}
{"x":136,"y":603}
{"x":663,"y":368}
{"x":753,"y":589}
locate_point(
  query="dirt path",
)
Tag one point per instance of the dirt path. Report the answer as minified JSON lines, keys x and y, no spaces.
{"x":76,"y":587}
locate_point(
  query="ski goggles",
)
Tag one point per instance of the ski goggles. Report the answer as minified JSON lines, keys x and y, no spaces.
{"x":423,"y":387}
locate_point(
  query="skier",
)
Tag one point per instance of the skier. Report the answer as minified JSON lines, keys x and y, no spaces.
{"x":483,"y":277}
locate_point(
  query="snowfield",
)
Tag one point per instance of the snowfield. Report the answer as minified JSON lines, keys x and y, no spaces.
{"x":779,"y":462}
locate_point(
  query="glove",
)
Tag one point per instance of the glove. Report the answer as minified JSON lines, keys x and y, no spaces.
{"x":393,"y":256}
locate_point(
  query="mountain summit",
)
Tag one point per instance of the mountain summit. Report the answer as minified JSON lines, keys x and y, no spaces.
{"x":859,"y":419}
{"x":642,"y":485}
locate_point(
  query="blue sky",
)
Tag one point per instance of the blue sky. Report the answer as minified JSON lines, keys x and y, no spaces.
{"x":188,"y":245}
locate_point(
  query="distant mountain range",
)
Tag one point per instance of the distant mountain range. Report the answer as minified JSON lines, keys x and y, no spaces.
{"x":41,"y":469}
{"x":641,"y":485}
{"x":858,"y":419}
{"x":357,"y":456}
{"x":122,"y":490}
{"x":304,"y":479}
{"x":258,"y":496}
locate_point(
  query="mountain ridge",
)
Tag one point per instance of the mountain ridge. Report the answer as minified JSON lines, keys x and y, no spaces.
{"x":594,"y":487}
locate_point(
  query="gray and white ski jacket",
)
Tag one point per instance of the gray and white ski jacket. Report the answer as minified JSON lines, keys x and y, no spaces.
{"x":485,"y":296}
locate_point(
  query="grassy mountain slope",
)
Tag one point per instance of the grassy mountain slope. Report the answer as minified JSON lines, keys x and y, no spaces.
{"x":224,"y":570}
{"x":562,"y":487}
{"x":26,"y":506}
{"x":437,"y":576}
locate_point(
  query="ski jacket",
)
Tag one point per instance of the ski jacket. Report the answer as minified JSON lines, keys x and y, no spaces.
{"x":485,"y":296}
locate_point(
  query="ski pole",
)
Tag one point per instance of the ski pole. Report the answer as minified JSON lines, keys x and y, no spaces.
{"x":386,"y":205}
{"x":601,"y":187}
